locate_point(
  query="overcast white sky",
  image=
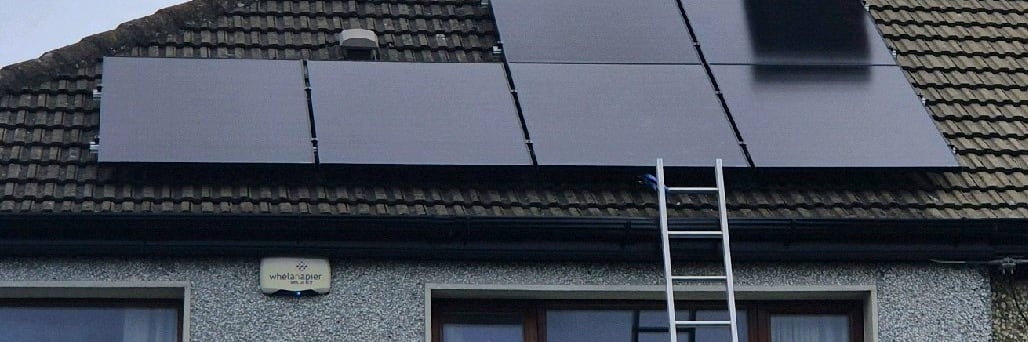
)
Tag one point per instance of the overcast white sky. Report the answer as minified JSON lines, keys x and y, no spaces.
{"x":29,"y":28}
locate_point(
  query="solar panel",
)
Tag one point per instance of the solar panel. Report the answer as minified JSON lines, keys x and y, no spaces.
{"x":833,"y":32}
{"x":203,"y":111}
{"x":855,"y":116}
{"x":629,"y":115}
{"x":415,"y":113}
{"x":587,"y":31}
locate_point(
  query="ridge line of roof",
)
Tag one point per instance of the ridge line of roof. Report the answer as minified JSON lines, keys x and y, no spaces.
{"x":136,"y":32}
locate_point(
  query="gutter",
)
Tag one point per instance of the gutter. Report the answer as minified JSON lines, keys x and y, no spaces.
{"x":603,"y":239}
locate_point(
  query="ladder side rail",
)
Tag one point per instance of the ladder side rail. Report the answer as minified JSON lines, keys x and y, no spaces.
{"x":666,"y":249}
{"x":726,"y":250}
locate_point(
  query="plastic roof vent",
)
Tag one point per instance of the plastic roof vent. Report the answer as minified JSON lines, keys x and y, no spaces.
{"x":359,"y":44}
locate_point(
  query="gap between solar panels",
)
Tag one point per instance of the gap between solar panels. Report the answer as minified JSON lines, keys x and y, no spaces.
{"x":310,"y":111}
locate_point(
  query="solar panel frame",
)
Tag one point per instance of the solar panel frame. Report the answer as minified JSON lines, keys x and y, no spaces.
{"x":178,"y":110}
{"x":584,"y":31}
{"x":415,"y":114}
{"x":727,"y":34}
{"x":590,"y":115}
{"x":864,"y":116}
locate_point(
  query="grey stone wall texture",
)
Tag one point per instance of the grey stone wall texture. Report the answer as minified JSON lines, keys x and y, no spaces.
{"x":372,"y":300}
{"x":1010,"y":303}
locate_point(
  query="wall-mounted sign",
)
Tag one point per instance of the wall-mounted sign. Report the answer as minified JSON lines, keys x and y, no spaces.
{"x":295,"y":276}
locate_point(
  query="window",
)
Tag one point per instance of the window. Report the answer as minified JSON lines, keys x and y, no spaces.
{"x":812,"y":322}
{"x":641,"y":321}
{"x":147,"y":311}
{"x":48,"y":319}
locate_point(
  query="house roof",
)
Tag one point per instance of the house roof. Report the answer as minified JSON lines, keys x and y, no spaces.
{"x":967,"y":58}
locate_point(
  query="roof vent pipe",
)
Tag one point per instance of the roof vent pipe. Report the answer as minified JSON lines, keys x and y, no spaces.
{"x":359,"y":44}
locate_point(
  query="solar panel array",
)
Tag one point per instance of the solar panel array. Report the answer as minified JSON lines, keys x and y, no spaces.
{"x":788,"y":83}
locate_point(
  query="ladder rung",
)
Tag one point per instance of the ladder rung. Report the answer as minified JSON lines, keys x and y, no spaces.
{"x":696,"y":233}
{"x":691,"y":189}
{"x":703,"y":323}
{"x":699,"y":278}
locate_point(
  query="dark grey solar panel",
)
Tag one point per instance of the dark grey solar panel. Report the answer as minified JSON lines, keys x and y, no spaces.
{"x":855,"y":116}
{"x":203,"y":111}
{"x":415,"y":113}
{"x":836,"y":32}
{"x":588,"y":31}
{"x":596,"y":114}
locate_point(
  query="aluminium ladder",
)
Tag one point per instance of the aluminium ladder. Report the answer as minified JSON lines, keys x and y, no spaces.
{"x":666,"y":235}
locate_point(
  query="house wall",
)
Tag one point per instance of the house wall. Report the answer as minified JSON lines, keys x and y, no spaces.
{"x":1010,"y":321}
{"x":384,"y":300}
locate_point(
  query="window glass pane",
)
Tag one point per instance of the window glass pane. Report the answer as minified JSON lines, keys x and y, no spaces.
{"x":720,"y":334}
{"x":589,"y":325}
{"x":658,"y":318}
{"x":662,"y":337}
{"x":39,"y":323}
{"x":810,"y":328}
{"x":482,"y":333}
{"x":653,"y":326}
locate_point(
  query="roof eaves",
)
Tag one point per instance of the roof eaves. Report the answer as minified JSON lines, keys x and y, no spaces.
{"x":504,"y":238}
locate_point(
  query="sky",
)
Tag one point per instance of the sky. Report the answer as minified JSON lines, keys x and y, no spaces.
{"x":29,"y":28}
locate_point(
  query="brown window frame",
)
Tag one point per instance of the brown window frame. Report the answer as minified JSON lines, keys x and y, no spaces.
{"x":533,"y":312}
{"x":852,"y":309}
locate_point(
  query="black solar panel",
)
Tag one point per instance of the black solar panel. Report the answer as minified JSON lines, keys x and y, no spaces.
{"x":602,"y":114}
{"x":203,"y":111}
{"x":587,"y":31}
{"x":836,"y":32}
{"x":853,"y":116}
{"x":415,"y":113}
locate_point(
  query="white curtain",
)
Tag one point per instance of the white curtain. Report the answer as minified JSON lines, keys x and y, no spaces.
{"x":150,"y":325}
{"x":482,"y":333}
{"x":810,"y":328}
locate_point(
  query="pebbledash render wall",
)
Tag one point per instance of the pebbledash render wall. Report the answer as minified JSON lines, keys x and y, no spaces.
{"x":385,"y":300}
{"x":1011,"y":320}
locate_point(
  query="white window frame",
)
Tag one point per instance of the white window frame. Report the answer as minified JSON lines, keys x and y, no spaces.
{"x":102,"y":290}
